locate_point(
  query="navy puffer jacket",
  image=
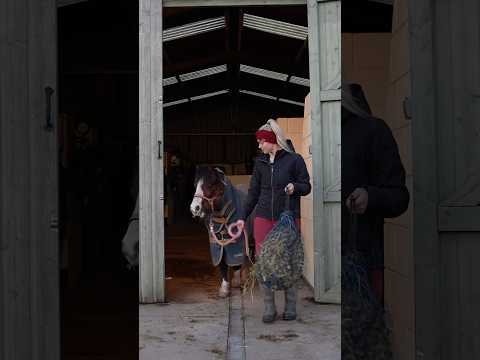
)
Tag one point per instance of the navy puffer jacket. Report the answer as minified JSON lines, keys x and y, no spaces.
{"x":269,"y":180}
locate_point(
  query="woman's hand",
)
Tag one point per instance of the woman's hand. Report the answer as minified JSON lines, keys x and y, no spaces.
{"x":289,"y":189}
{"x":357,"y":202}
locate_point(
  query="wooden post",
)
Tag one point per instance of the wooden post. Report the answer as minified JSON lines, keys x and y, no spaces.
{"x":152,"y":274}
{"x":324,"y":35}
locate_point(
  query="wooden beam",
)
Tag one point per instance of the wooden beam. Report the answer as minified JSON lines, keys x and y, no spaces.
{"x":458,"y":218}
{"x":189,"y":3}
{"x":225,"y":58}
{"x":62,"y":3}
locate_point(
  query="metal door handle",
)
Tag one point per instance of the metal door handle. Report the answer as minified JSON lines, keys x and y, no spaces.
{"x":48,"y":108}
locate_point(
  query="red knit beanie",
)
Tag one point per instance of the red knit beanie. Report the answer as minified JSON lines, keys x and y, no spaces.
{"x":268,"y":136}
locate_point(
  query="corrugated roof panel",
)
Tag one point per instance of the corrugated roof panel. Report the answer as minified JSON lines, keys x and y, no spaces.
{"x":195,"y":28}
{"x":204,"y":72}
{"x":204,"y":96}
{"x":176,"y":102}
{"x":263,"y":72}
{"x":276,"y":27}
{"x":170,"y":81}
{"x":265,"y":96}
{"x":300,"y":81}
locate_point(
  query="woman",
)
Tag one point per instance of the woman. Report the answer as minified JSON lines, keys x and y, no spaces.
{"x":277,"y":172}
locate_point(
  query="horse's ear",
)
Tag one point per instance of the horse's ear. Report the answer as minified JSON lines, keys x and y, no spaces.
{"x":223,"y":177}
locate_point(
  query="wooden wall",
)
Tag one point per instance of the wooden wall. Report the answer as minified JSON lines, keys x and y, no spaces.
{"x":211,"y":130}
{"x":29,"y":301}
{"x":444,"y":55}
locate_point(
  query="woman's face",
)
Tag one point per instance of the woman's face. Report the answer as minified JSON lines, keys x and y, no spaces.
{"x":266,"y":147}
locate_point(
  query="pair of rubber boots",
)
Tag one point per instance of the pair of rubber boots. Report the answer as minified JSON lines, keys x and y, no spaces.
{"x":270,"y":312}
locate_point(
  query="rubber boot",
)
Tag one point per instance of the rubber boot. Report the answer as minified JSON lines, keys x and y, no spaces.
{"x":290,"y":304}
{"x":270,"y":312}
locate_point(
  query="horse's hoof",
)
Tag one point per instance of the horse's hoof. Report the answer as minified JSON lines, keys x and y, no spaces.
{"x":224,"y":290}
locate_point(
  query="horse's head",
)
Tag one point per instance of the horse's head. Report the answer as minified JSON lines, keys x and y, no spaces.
{"x":209,"y":189}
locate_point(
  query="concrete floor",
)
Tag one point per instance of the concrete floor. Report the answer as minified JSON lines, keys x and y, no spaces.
{"x":194,"y":321}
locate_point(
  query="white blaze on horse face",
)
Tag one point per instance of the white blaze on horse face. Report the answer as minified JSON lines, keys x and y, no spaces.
{"x":196,"y":205}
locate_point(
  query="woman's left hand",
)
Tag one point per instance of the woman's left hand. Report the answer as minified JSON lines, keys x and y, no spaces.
{"x":289,"y":189}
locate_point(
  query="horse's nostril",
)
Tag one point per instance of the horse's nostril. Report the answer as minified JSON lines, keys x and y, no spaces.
{"x":197,"y":208}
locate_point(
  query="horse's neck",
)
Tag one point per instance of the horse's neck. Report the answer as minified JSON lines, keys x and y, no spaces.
{"x":222,"y":208}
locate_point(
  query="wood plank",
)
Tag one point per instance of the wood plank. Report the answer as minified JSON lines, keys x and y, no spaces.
{"x":449,"y":296}
{"x":468,"y":296}
{"x":317,"y":149}
{"x":145,"y":185}
{"x":446,"y":96}
{"x":333,"y":259}
{"x":15,"y":257}
{"x":180,"y":3}
{"x":427,"y":280}
{"x":457,"y":124}
{"x":156,"y":152}
{"x":236,"y":349}
{"x":459,"y":219}
{"x":330,"y":44}
{"x":331,"y":113}
{"x":4,"y":146}
{"x":330,"y":95}
{"x":44,"y":263}
{"x":62,"y":3}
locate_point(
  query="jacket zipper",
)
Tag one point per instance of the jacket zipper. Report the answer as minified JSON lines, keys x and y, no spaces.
{"x":271,"y":184}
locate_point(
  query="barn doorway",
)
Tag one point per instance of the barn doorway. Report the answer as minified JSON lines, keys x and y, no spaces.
{"x":215,"y":97}
{"x":98,"y":173}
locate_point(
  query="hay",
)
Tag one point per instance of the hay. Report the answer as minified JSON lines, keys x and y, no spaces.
{"x":279,"y":265}
{"x":365,"y":335}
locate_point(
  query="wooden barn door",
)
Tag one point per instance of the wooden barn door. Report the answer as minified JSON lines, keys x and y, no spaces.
{"x":324,"y":19}
{"x":445,"y":67}
{"x":29,"y":263}
{"x":152,"y":268}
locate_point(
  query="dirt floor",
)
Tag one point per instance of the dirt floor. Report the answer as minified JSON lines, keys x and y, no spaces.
{"x":195,"y":321}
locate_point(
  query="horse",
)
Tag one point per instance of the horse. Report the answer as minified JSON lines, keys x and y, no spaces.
{"x":219,"y":204}
{"x":213,"y":191}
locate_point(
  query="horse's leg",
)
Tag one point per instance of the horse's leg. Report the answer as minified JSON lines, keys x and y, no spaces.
{"x":223,"y":270}
{"x":224,"y":290}
{"x":236,"y":277}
